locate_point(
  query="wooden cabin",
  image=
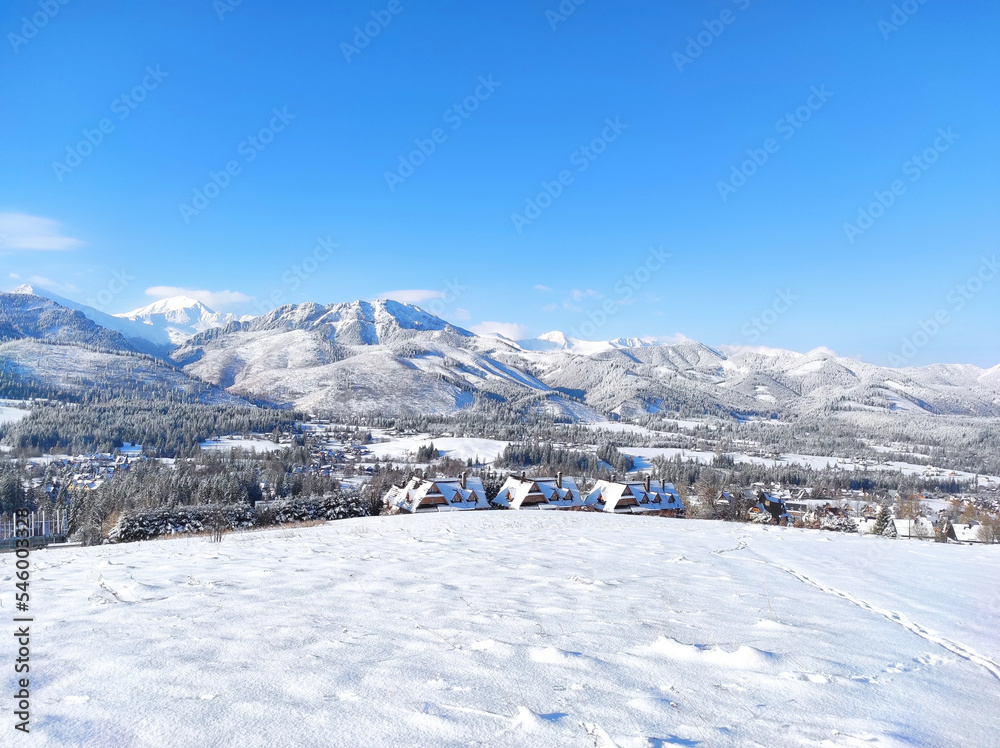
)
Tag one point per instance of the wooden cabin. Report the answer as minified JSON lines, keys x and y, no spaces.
{"x":635,"y":497}
{"x":437,"y":495}
{"x":521,"y":492}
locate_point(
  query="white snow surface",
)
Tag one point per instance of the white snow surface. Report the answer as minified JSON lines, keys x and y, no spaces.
{"x":514,"y":629}
{"x":227,"y":443}
{"x":459,"y":448}
{"x":11,"y":415}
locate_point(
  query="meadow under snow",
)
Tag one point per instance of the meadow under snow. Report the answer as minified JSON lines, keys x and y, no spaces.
{"x":515,"y":629}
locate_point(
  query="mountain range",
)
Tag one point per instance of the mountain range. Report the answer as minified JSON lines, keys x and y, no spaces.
{"x":391,"y":358}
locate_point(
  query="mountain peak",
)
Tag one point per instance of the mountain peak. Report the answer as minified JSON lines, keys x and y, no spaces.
{"x":180,"y":317}
{"x":166,"y":306}
{"x":25,"y":288}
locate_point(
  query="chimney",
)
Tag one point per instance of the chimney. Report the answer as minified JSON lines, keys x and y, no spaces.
{"x":559,"y":480}
{"x":645,"y":483}
{"x":461,"y":477}
{"x":523,"y":475}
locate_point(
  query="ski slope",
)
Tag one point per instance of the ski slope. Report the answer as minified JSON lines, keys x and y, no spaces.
{"x":515,"y":629}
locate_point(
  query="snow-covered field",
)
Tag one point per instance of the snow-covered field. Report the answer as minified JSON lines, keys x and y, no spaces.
{"x":10,"y":415}
{"x":227,"y":443}
{"x":460,"y":448}
{"x":515,"y":629}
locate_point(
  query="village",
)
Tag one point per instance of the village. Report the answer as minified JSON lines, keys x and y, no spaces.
{"x":759,"y":504}
{"x":403,"y":473}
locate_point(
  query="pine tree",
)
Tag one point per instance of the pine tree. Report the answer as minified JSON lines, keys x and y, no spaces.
{"x":884,"y":524}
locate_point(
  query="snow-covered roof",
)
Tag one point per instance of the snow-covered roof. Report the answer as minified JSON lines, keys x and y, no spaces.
{"x":967,"y":532}
{"x":539,"y":493}
{"x":634,"y":496}
{"x":438,"y":494}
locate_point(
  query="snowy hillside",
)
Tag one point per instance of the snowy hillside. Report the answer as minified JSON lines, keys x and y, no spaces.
{"x":178,"y":318}
{"x":391,"y":358}
{"x":395,"y":358}
{"x":76,"y":370}
{"x":26,"y":316}
{"x":381,"y":357}
{"x":140,"y":337}
{"x":516,"y":629}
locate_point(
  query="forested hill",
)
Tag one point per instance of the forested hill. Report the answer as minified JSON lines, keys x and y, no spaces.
{"x":38,"y":318}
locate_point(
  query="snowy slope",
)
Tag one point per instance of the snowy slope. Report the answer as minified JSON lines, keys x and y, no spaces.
{"x":362,"y":357}
{"x":141,"y":337}
{"x":76,"y":370}
{"x":515,"y":629}
{"x":392,"y":358}
{"x":395,"y":358}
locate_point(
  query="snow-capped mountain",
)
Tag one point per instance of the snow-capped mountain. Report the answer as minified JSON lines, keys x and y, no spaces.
{"x":365,"y":357}
{"x":141,"y":337}
{"x":391,"y":358}
{"x":178,"y":318}
{"x":386,"y":357}
{"x":50,"y":349}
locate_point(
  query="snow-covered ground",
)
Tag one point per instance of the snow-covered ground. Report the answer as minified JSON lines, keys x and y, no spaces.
{"x":10,"y":415}
{"x":227,"y":443}
{"x":515,"y":629}
{"x":461,"y":448}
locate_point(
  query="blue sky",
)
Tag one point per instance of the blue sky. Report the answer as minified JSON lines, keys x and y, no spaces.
{"x":693,"y":90}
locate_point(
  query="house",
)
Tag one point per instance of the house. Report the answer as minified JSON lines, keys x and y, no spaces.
{"x":770,"y":504}
{"x":520,"y":492}
{"x":967,"y":532}
{"x":635,"y":497}
{"x":437,"y":495}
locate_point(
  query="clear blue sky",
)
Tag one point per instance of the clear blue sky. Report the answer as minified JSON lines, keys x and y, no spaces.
{"x":885,"y":94}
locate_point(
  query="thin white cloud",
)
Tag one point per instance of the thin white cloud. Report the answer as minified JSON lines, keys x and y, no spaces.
{"x":675,"y":339}
{"x":23,"y":231}
{"x":579,"y":295}
{"x":461,"y":313}
{"x":213,"y":299}
{"x":52,"y":285}
{"x":510,"y":330}
{"x":543,"y":289}
{"x":412,"y":295}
